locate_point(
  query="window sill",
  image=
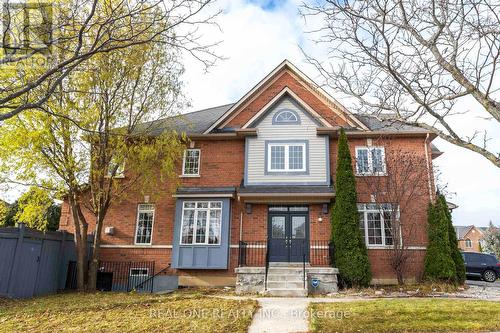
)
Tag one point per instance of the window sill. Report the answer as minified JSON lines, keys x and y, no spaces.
{"x":201,"y":245}
{"x":370,"y":174}
{"x":379,"y":247}
{"x":189,"y":176}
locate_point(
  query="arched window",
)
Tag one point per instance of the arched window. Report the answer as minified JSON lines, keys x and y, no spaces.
{"x":286,"y":117}
{"x":468,"y":243}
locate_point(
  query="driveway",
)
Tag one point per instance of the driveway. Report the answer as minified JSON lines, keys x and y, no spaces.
{"x":481,"y":283}
{"x":482,"y":289}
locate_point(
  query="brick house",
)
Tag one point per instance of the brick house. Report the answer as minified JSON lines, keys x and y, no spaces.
{"x":469,"y":237}
{"x":256,"y":185}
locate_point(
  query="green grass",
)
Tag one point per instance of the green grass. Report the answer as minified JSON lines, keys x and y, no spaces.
{"x":408,"y":315}
{"x":125,"y":312}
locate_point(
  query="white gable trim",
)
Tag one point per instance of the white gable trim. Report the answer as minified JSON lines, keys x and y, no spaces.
{"x":323,"y":95}
{"x":296,"y":98}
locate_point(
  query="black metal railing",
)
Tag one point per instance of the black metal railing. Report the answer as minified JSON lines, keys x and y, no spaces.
{"x":118,"y":276}
{"x":252,"y":254}
{"x":304,"y":262}
{"x":267,"y":267}
{"x":321,"y":253}
{"x":151,"y":278}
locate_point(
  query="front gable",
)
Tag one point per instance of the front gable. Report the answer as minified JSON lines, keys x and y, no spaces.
{"x":287,"y":125}
{"x":286,"y":77}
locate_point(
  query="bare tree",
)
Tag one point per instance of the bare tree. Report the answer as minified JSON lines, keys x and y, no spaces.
{"x":38,"y":56}
{"x":398,"y":195}
{"x":412,"y":61}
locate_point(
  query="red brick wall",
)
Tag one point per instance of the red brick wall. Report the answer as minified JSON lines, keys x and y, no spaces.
{"x":286,"y":79}
{"x":222,"y":164}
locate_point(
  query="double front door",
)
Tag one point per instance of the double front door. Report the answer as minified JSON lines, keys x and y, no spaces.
{"x":288,"y":233}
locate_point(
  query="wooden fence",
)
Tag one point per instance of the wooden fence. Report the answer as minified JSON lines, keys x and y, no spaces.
{"x":34,"y":263}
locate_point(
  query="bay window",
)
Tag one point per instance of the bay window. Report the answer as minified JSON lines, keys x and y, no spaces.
{"x":201,"y":222}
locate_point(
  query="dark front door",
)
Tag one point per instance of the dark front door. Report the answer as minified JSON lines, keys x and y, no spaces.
{"x":288,"y":233}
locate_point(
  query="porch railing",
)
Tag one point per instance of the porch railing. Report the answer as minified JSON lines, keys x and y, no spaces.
{"x":254,"y":253}
{"x":321,"y":253}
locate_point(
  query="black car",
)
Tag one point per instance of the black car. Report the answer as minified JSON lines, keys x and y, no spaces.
{"x":485,"y":266}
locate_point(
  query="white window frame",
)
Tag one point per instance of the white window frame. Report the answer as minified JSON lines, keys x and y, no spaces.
{"x":370,"y":162}
{"x":287,"y":156}
{"x":279,"y":113}
{"x":365,"y":210}
{"x":184,"y":174}
{"x":195,"y":221}
{"x":139,"y":210}
{"x":141,"y":268}
{"x":468,"y":243}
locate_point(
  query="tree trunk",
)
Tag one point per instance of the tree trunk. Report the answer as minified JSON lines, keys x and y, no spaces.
{"x":96,"y":252}
{"x":80,"y":239}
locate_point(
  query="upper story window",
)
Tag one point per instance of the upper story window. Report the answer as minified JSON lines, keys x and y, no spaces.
{"x":370,"y":161}
{"x":201,"y":222}
{"x":468,"y":243}
{"x":286,"y":117}
{"x":376,"y":225}
{"x":191,"y":162}
{"x":145,"y":219}
{"x":286,"y":157}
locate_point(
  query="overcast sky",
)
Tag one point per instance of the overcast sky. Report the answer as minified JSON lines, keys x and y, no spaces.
{"x":257,"y":35}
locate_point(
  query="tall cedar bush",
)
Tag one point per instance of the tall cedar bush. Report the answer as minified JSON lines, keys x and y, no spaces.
{"x":453,"y":242}
{"x":351,"y":257}
{"x":439,"y":265}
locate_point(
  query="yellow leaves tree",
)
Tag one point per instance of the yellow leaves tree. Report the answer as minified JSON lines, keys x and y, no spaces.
{"x":35,"y":208}
{"x":105,"y":111}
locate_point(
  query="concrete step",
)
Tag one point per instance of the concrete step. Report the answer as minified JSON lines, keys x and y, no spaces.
{"x":288,"y":264}
{"x":285,"y":284}
{"x":284,"y":270}
{"x":285,"y":277}
{"x":288,"y":292}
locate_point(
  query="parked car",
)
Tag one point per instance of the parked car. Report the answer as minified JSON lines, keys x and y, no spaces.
{"x":485,"y":266}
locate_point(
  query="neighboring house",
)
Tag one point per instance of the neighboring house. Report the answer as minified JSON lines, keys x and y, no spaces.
{"x":469,"y":237}
{"x":259,"y":174}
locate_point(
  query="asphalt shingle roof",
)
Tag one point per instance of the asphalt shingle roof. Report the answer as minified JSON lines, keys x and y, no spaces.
{"x":286,"y":189}
{"x":462,"y":230}
{"x":198,"y":122}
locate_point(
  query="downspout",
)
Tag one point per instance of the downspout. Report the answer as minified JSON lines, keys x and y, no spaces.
{"x":428,"y":167}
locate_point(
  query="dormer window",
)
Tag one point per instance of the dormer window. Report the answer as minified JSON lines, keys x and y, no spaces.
{"x":286,"y":117}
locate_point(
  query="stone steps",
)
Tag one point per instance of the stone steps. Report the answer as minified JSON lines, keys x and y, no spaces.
{"x":286,"y":281}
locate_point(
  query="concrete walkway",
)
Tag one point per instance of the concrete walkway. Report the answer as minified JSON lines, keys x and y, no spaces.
{"x":284,"y":314}
{"x":280,"y":315}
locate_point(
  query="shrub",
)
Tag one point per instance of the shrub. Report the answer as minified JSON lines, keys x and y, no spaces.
{"x":456,"y":256}
{"x":438,"y":264}
{"x":351,"y":257}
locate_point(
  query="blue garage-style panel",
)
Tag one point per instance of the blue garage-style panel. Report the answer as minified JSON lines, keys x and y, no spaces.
{"x":207,"y":248}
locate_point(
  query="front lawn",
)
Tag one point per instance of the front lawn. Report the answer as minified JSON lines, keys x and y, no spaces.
{"x":406,"y":315}
{"x":125,"y":312}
